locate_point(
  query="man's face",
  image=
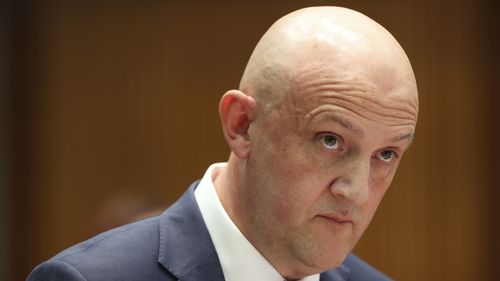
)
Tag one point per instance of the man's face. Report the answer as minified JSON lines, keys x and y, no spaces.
{"x":320,"y":162}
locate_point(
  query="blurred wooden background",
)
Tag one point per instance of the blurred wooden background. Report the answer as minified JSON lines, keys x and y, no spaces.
{"x":109,"y":111}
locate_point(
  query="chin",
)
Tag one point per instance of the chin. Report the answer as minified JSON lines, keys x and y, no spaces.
{"x":315,"y":267}
{"x":332,"y":262}
{"x":320,"y":261}
{"x":319,"y":248}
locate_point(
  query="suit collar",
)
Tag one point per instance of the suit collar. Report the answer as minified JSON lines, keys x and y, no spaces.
{"x":186,"y":249}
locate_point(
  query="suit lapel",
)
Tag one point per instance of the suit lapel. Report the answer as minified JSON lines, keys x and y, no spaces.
{"x":186,"y":249}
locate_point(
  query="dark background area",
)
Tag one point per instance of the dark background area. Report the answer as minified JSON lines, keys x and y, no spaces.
{"x":108,"y":111}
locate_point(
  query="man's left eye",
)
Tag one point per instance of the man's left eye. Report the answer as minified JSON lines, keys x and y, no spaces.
{"x":386,"y":155}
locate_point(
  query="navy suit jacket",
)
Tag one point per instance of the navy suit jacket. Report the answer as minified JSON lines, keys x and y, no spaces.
{"x":175,"y":245}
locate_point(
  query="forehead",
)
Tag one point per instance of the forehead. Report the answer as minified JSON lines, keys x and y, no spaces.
{"x":315,"y":90}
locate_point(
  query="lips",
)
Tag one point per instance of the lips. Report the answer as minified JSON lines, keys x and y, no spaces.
{"x":337,"y":218}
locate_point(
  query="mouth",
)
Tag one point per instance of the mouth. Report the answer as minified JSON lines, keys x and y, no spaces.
{"x":336,"y":218}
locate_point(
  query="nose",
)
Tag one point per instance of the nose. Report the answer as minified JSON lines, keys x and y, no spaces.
{"x":353,"y":181}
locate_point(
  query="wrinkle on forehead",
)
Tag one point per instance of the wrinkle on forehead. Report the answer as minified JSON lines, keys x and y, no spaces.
{"x":358,"y":97}
{"x":379,"y":93}
{"x":391,"y":116}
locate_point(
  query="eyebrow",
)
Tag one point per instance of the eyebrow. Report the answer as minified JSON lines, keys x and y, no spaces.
{"x":408,"y":136}
{"x":346,"y":124}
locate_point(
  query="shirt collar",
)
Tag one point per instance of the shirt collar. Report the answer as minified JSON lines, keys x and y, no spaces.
{"x":238,"y":257}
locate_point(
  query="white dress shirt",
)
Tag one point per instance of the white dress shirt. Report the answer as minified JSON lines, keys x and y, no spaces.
{"x":239,"y":259}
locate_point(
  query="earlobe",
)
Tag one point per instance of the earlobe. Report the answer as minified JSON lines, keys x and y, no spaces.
{"x":237,"y":111}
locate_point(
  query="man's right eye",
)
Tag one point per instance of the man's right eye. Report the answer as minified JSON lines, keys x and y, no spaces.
{"x":330,"y":141}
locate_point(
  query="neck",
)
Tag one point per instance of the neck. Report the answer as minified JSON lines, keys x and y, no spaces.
{"x":228,"y":185}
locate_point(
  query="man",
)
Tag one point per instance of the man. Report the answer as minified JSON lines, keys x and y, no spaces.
{"x":326,"y":107}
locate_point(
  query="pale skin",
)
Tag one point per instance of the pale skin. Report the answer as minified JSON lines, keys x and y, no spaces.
{"x":326,"y":108}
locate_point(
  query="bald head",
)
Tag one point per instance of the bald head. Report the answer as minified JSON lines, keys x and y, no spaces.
{"x":328,"y":41}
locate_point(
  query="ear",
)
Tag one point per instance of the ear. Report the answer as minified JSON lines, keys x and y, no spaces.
{"x":237,"y":111}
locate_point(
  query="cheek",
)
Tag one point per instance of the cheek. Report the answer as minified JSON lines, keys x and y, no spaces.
{"x":377,"y":192}
{"x":378,"y":188}
{"x":291,"y":187}
{"x":289,"y":174}
{"x":382,"y":172}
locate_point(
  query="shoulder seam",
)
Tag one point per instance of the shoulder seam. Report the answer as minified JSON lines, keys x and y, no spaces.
{"x":72,"y":266}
